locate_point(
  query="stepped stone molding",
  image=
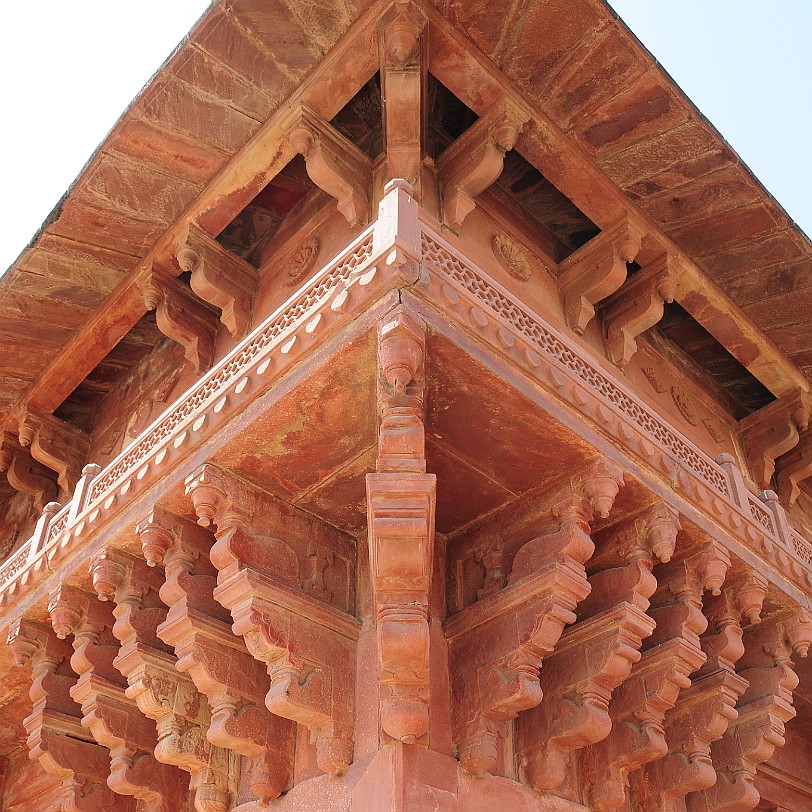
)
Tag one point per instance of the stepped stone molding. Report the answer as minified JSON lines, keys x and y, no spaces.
{"x":112,"y":718}
{"x":596,"y":270}
{"x":401,"y":499}
{"x":199,"y":630}
{"x":307,"y":645}
{"x":56,"y":444}
{"x":56,"y":738}
{"x":772,"y":431}
{"x":637,"y":306}
{"x":763,"y":710}
{"x":219,"y":278}
{"x":159,"y":690}
{"x":475,"y":160}
{"x":181,"y":316}
{"x":333,"y":162}
{"x":497,"y":645}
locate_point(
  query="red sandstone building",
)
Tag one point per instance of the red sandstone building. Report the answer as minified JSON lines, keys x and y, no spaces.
{"x":408,"y":409}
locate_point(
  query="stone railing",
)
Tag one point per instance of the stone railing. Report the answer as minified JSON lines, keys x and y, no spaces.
{"x":399,"y":251}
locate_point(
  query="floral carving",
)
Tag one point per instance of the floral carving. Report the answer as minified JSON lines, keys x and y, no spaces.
{"x":684,"y":404}
{"x":302,"y":260}
{"x":511,"y":256}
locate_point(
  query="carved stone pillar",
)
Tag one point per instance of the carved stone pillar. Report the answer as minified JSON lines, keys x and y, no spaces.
{"x":401,"y":47}
{"x":219,"y":278}
{"x":596,"y":270}
{"x":161,"y":692}
{"x":199,"y":630}
{"x":637,"y":306}
{"x":56,"y":737}
{"x":595,"y":656}
{"x":306,"y":644}
{"x":181,"y":316}
{"x":772,"y":431}
{"x":763,"y":710}
{"x":333,"y":163}
{"x":112,"y":718}
{"x":475,"y":160}
{"x":400,"y":509}
{"x":497,"y":644}
{"x":704,"y":708}
{"x":56,"y":444}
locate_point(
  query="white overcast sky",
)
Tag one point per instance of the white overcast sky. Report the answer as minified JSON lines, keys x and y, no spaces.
{"x":71,"y":68}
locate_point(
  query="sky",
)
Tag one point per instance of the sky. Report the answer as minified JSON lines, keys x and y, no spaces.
{"x":70,"y":69}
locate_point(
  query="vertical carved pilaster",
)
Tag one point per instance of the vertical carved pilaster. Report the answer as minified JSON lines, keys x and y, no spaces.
{"x":219,"y":278}
{"x":497,"y":644}
{"x":400,"y":505}
{"x":181,"y":316}
{"x":56,"y":444}
{"x":475,"y":160}
{"x":595,"y":656}
{"x":333,"y":163}
{"x":401,"y":48}
{"x":161,"y":693}
{"x":306,"y":644}
{"x":199,"y":630}
{"x":596,"y":270}
{"x":637,"y":306}
{"x":763,"y":710}
{"x":112,"y":718}
{"x":772,"y":431}
{"x":56,"y":737}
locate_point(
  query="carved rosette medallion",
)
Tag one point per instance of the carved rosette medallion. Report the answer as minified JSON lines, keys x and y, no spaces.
{"x":302,"y":260}
{"x":512,"y":257}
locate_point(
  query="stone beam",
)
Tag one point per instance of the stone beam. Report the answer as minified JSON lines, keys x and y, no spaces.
{"x":475,"y":160}
{"x":401,"y":48}
{"x":220,"y":278}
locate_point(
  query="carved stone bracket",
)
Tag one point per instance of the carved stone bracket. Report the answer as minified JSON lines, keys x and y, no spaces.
{"x":333,"y":163}
{"x":475,"y":160}
{"x":772,"y":431}
{"x":112,"y":718}
{"x":56,"y":444}
{"x":401,"y":47}
{"x":198,"y":628}
{"x":793,"y":468}
{"x":637,"y":306}
{"x":219,"y":278}
{"x":25,"y":474}
{"x":307,"y":645}
{"x":161,"y":693}
{"x":497,"y":645}
{"x":181,"y":316}
{"x":595,"y":656}
{"x":763,"y":710}
{"x":56,"y":737}
{"x":596,"y":270}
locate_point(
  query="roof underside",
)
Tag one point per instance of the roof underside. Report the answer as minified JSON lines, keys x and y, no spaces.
{"x":587,"y":72}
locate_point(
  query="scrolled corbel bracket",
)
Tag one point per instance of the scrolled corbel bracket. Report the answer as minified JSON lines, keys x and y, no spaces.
{"x":182,"y":317}
{"x":219,"y":278}
{"x":26,"y":475}
{"x":596,"y":270}
{"x":333,"y":163}
{"x":475,"y":160}
{"x":773,"y":431}
{"x":793,"y":468}
{"x":638,"y":306}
